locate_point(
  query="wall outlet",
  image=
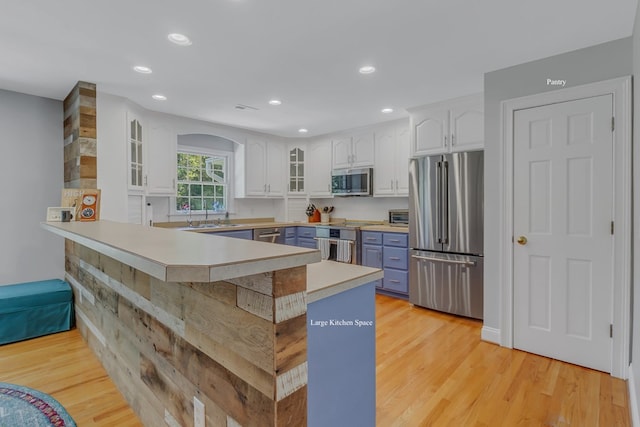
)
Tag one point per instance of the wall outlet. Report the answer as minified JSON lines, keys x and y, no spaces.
{"x":198,"y":413}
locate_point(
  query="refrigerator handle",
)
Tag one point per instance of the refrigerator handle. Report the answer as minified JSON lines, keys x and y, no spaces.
{"x":438,"y":199}
{"x":446,"y":261}
{"x":445,"y":204}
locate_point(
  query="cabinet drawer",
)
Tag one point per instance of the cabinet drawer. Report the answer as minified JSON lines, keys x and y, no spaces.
{"x":396,"y":258}
{"x":372,"y":237}
{"x":290,"y":232}
{"x":291,"y":241}
{"x":395,"y":280}
{"x":396,"y":239}
{"x":308,"y":232}
{"x":307,"y":243}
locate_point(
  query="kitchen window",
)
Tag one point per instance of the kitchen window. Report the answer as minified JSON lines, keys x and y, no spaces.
{"x":202,"y":181}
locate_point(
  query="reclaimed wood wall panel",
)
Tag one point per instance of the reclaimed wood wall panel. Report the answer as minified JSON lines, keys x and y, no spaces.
{"x":80,"y":137}
{"x":231,"y":352}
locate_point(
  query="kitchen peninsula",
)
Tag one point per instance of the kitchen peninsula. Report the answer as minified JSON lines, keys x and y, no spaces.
{"x":176,"y":316}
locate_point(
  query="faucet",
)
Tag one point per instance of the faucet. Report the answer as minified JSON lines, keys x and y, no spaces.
{"x":190,"y":220}
{"x":226,"y":217}
{"x":206,"y":213}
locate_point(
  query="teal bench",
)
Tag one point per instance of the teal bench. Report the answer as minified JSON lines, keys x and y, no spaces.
{"x":33,"y":309}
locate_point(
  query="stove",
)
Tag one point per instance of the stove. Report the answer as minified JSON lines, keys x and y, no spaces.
{"x":333,"y":241}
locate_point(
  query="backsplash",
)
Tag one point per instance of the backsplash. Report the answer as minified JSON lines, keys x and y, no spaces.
{"x":369,"y":208}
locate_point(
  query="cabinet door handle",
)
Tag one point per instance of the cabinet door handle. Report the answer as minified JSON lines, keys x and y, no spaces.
{"x":394,"y":240}
{"x":370,"y":238}
{"x":394,"y":258}
{"x":445,"y":141}
{"x":392,"y":184}
{"x":269,"y":186}
{"x":394,"y":281}
{"x":174,"y":183}
{"x":453,"y":140}
{"x":396,"y":184}
{"x":145,"y":180}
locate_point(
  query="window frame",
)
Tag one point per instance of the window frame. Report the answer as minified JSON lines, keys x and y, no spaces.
{"x":227,"y":183}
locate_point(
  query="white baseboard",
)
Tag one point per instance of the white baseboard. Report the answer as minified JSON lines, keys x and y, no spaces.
{"x":491,"y":335}
{"x":633,"y":398}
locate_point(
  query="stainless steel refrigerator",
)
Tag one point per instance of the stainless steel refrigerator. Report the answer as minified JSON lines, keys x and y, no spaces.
{"x":446,"y":232}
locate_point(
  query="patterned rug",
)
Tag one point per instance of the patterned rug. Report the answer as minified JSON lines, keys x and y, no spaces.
{"x":23,"y":406}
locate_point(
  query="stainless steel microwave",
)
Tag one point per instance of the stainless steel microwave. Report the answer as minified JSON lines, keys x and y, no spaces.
{"x":352,"y":182}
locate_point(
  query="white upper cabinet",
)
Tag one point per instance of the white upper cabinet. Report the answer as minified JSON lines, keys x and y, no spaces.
{"x":297,"y":171}
{"x":353,"y":151}
{"x":318,"y":169}
{"x":391,"y":173}
{"x":263,"y":169}
{"x":276,"y":169}
{"x":161,"y":167}
{"x":135,"y":153}
{"x":455,"y":125}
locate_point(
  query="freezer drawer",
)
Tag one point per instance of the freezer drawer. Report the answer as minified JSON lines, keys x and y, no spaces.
{"x":446,"y":282}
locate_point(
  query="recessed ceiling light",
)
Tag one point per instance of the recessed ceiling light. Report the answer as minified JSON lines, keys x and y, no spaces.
{"x":387,"y":110}
{"x":367,"y":69}
{"x":142,"y":69}
{"x":303,"y":130}
{"x":275,"y":102}
{"x":159,"y":97}
{"x":179,"y":39}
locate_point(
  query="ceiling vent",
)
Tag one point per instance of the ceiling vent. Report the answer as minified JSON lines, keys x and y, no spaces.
{"x":245,"y":107}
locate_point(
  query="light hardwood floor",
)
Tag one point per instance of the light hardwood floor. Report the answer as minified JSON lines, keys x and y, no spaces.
{"x":63,"y":366}
{"x":432,"y":370}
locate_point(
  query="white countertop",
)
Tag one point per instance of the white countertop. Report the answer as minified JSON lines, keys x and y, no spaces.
{"x":327,"y":278}
{"x":175,"y":256}
{"x":386,"y":228}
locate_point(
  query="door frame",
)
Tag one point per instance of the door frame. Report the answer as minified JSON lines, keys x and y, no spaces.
{"x":620,"y":88}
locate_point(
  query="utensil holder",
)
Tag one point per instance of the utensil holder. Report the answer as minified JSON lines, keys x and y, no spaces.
{"x":325,"y":217}
{"x":315,"y":217}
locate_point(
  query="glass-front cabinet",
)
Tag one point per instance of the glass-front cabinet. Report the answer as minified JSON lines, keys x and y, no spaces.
{"x":296,"y":171}
{"x":136,"y":163}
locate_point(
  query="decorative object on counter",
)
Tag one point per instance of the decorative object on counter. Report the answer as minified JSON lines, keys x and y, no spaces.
{"x":84,"y":201}
{"x":59,"y":214}
{"x":324,"y":215}
{"x":313,"y":214}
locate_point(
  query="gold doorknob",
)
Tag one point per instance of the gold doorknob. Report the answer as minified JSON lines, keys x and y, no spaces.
{"x":522,"y":240}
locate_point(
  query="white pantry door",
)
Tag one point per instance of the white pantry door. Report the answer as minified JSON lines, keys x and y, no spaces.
{"x":563,"y":207}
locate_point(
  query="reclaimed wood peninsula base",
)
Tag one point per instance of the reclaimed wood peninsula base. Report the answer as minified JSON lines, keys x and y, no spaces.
{"x":210,"y":319}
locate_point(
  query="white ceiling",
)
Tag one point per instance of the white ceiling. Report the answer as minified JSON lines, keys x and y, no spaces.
{"x":304,"y":52}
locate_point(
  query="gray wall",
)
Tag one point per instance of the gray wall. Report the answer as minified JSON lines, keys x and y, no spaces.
{"x":31,"y":172}
{"x":588,"y":65}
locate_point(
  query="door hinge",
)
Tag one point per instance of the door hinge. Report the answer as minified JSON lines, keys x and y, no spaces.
{"x":613,"y":123}
{"x":612,"y":227}
{"x":610,"y":331}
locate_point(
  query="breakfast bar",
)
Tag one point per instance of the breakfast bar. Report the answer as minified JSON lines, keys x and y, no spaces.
{"x":197,"y":327}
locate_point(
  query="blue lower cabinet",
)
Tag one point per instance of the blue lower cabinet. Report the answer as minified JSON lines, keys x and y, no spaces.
{"x":306,"y":237}
{"x":396,"y":280}
{"x":307,"y":243}
{"x":389,"y":251}
{"x":341,"y":354}
{"x":238,"y":234}
{"x":372,"y":257}
{"x":290,"y":236}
